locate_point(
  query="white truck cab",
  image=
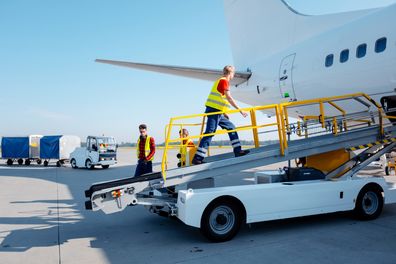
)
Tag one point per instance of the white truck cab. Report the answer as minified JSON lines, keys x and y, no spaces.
{"x":98,"y":151}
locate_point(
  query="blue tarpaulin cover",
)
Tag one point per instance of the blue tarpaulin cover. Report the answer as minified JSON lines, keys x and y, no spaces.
{"x":15,"y":147}
{"x":49,"y":147}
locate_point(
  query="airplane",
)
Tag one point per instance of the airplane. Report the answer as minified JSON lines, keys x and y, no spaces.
{"x":283,"y":55}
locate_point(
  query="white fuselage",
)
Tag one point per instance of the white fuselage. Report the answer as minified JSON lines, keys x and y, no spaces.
{"x":303,"y":64}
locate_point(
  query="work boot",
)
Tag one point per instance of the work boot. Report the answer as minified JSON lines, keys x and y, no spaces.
{"x":242,"y":153}
{"x":197,"y":162}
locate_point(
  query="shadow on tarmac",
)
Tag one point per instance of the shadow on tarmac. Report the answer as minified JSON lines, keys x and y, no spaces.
{"x":139,"y":236}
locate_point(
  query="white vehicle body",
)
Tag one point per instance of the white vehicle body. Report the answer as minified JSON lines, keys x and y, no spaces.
{"x":271,"y":201}
{"x":100,"y":151}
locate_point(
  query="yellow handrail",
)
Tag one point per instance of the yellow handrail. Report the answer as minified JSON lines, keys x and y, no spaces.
{"x":282,"y":123}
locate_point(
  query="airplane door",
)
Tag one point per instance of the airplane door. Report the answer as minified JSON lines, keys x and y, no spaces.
{"x":285,"y":78}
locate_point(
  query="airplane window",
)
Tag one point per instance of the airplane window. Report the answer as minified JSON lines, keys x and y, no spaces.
{"x":344,"y":55}
{"x":329,"y":60}
{"x":380,"y":45}
{"x":361,"y":50}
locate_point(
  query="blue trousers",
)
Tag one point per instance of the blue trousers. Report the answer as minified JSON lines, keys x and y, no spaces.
{"x":211,"y":126}
{"x":143,"y":168}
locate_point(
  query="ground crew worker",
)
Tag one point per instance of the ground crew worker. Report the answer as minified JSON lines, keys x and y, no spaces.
{"x":220,"y":99}
{"x":145,"y":150}
{"x":187,"y":149}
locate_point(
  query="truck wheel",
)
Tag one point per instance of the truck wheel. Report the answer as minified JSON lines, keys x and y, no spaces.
{"x":105,"y":166}
{"x":39,"y":161}
{"x":221,"y":220}
{"x":58,"y":163}
{"x":27,"y":162}
{"x":387,"y":172}
{"x":45,"y":163}
{"x":20,"y":161}
{"x":10,"y":162}
{"x":88,"y":164}
{"x":73,"y":163}
{"x":369,"y":203}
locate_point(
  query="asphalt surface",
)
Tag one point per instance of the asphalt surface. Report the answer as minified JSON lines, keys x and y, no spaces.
{"x":43,"y":220}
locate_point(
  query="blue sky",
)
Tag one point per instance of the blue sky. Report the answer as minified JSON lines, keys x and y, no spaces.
{"x":50,"y":83}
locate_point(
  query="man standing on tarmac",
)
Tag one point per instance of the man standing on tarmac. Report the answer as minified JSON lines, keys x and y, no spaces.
{"x":218,"y":100}
{"x":145,"y":150}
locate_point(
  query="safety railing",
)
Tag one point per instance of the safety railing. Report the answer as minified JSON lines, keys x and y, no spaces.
{"x":254,"y":126}
{"x":282,"y":125}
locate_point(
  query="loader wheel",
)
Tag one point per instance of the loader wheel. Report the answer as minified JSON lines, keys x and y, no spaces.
{"x":20,"y":161}
{"x":88,"y":164}
{"x":27,"y":162}
{"x":39,"y":161}
{"x":221,"y":220}
{"x":10,"y":162}
{"x":105,"y":166}
{"x":369,"y":202}
{"x":73,"y":163}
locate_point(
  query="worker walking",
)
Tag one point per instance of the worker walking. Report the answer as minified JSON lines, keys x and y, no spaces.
{"x":145,"y":150}
{"x":218,"y":100}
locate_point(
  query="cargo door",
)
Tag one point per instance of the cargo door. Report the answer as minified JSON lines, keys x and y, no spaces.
{"x":286,"y":78}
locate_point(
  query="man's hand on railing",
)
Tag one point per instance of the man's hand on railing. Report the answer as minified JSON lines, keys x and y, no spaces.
{"x":243,"y":113}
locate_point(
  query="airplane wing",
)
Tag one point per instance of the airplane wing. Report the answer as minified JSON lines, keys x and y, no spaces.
{"x":195,"y":73}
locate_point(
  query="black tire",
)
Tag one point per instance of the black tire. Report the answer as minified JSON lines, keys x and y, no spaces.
{"x":88,"y":164}
{"x":387,"y":172}
{"x":10,"y":162}
{"x":20,"y":161}
{"x":39,"y":161}
{"x":369,"y":203}
{"x":27,"y":162}
{"x":105,"y":166}
{"x":73,"y":163}
{"x":58,"y":164}
{"x":221,"y":220}
{"x":45,"y":163}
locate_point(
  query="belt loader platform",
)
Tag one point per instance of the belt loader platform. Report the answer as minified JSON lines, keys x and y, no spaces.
{"x":322,"y":186}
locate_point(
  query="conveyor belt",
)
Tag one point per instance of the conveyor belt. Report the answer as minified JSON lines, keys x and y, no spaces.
{"x":110,"y":184}
{"x":265,"y":155}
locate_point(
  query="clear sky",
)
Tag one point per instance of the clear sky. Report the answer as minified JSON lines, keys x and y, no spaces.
{"x":50,"y":84}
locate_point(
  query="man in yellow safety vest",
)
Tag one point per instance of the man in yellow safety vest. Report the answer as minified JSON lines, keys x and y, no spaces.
{"x":145,"y":150}
{"x":187,"y":149}
{"x":219,"y":100}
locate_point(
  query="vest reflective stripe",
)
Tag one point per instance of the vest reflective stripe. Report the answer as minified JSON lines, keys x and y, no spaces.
{"x":216,"y":100}
{"x":146,"y":148}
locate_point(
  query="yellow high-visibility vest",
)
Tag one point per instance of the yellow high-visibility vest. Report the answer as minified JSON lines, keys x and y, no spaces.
{"x":187,"y":152}
{"x":216,"y":100}
{"x":146,"y":148}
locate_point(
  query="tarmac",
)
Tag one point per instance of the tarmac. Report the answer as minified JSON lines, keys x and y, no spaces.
{"x":43,"y":220}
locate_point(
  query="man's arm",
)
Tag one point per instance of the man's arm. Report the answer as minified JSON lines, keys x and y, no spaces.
{"x":152,"y":149}
{"x":232,"y":102}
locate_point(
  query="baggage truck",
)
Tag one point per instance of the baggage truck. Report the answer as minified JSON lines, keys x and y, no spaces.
{"x":58,"y":147}
{"x":100,"y":151}
{"x":15,"y":149}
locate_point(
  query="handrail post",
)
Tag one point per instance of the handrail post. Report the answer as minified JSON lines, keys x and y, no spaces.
{"x":164,"y":156}
{"x":280,"y":132}
{"x":322,"y":116}
{"x":254,"y":125}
